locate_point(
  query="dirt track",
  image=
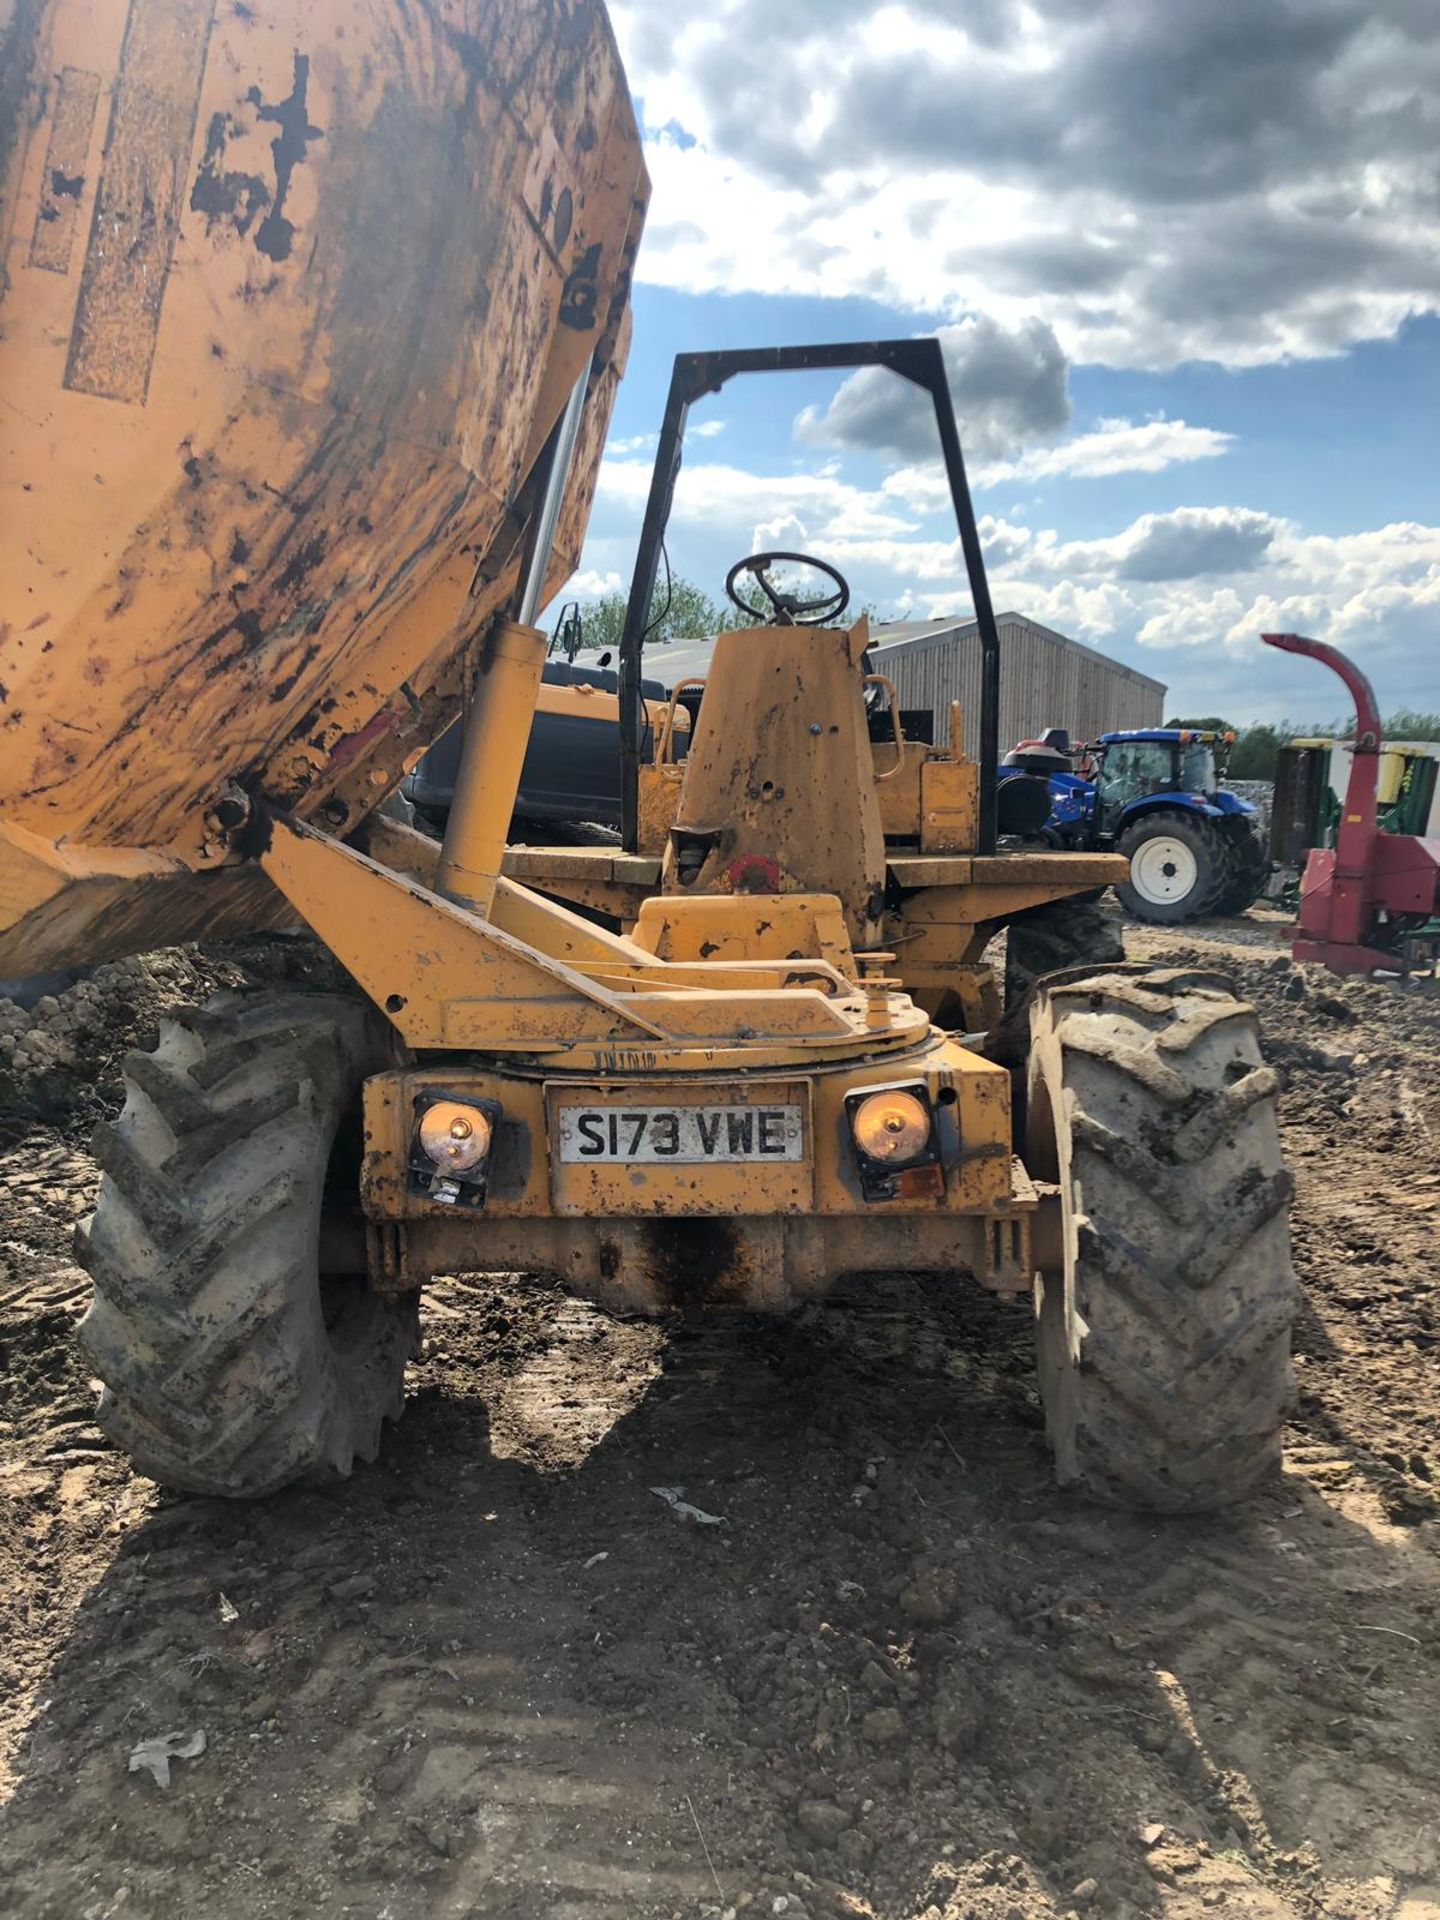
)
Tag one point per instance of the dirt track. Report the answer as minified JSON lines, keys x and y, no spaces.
{"x":496,"y":1675}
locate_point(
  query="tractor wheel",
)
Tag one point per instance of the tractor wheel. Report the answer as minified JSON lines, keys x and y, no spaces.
{"x":229,"y":1365}
{"x":1177,"y":868}
{"x":1248,"y":871}
{"x":1163,"y":1324}
{"x":1076,"y":932}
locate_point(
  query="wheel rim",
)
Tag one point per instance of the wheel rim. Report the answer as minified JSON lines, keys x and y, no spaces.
{"x":1163,"y":870}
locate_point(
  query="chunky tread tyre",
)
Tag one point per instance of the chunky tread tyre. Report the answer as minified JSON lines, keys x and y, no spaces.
{"x":1248,"y":871}
{"x":228,"y":1366}
{"x":1164,"y":1344}
{"x":1211,"y":864}
{"x":1075,"y":932}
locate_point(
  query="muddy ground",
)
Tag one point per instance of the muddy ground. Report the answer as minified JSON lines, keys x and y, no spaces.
{"x":495,"y":1674}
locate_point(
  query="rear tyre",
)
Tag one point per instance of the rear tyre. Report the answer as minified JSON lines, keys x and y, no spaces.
{"x":1075,"y":932}
{"x":1248,"y":872}
{"x":229,"y":1366}
{"x":1177,"y":868}
{"x":1163,"y":1325}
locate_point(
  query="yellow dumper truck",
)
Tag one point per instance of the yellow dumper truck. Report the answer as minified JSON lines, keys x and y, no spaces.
{"x":311,"y":319}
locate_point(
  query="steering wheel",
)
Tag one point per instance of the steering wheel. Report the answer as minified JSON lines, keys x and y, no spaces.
{"x":788,"y":609}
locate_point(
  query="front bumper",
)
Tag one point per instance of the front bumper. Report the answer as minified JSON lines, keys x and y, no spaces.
{"x":765,"y":1265}
{"x":652,"y":1236}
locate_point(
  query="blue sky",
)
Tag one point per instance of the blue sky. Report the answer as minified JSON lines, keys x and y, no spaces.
{"x":1184,"y":261}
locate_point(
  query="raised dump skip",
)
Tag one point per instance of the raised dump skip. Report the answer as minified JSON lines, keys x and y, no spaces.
{"x":292,"y":297}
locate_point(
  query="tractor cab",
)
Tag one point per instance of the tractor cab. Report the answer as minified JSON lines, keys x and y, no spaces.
{"x":1136,"y":765}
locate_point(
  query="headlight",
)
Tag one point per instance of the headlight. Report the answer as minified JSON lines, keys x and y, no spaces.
{"x":897,"y":1148}
{"x":451,"y":1148}
{"x":455,"y":1137}
{"x":891,"y":1127}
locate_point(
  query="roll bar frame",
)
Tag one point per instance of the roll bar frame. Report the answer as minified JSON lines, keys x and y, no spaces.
{"x":698,"y":374}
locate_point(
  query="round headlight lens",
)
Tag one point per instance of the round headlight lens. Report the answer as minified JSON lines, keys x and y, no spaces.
{"x":891,"y":1126}
{"x":455,"y":1137}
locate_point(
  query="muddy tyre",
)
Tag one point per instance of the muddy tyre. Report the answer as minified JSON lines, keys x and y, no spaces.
{"x":228,"y":1366}
{"x":1065,"y":933}
{"x":1248,"y":871}
{"x":1178,"y":868}
{"x":1163,"y":1324}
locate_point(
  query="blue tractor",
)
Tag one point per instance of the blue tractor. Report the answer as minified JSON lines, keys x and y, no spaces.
{"x":1155,"y":795}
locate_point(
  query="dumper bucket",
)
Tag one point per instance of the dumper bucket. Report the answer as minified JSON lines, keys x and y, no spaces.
{"x":291,"y":300}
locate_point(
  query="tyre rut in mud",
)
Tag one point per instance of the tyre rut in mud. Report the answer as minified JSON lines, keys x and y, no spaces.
{"x":1164,"y":1343}
{"x":229,"y":1365}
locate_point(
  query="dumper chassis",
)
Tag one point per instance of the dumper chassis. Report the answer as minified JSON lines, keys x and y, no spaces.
{"x":730,"y":1102}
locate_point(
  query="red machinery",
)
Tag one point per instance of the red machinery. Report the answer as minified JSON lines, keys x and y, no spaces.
{"x":1361,"y":900}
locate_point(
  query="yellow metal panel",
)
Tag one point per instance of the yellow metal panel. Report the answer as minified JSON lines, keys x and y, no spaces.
{"x":579,"y":701}
{"x":658,"y":803}
{"x":1390,"y":777}
{"x":949,"y":806}
{"x":519,"y":1179}
{"x":444,"y":977}
{"x":899,"y":792}
{"x":779,"y":792}
{"x":448,"y":979}
{"x":1069,"y":872}
{"x":588,"y":888}
{"x":974,"y":1109}
{"x":288,"y":356}
{"x":562,"y":934}
{"x":786,"y":926}
{"x":763,"y":1016}
{"x":551,"y":867}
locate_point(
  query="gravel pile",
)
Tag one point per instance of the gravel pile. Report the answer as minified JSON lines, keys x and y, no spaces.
{"x":62,"y":1032}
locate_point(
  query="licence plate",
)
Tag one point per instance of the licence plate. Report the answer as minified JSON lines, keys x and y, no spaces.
{"x":681,"y":1135}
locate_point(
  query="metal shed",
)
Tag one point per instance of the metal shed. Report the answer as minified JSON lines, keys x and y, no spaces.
{"x":1046,"y":680}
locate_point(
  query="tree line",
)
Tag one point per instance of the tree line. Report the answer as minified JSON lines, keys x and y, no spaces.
{"x":1256,"y":752}
{"x":681,"y":610}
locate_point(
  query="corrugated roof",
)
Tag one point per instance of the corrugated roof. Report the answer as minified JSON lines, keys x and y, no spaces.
{"x":916,"y":636}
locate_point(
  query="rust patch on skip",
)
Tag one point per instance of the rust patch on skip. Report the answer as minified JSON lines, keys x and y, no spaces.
{"x":275,"y":234}
{"x":58,"y":214}
{"x":226,"y":196}
{"x":138,"y":200}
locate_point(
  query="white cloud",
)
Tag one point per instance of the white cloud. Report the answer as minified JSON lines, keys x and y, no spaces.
{"x":1112,"y":447}
{"x":1009,"y":386}
{"x":1188,"y":544}
{"x":1244,"y":180}
{"x":713,"y":494}
{"x":706,"y":429}
{"x":787,"y":534}
{"x":1183,"y":595}
{"x":592,"y":585}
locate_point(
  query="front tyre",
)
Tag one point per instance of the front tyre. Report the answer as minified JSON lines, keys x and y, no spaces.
{"x":1178,"y":868}
{"x":229,"y":1365}
{"x":1165,"y":1307}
